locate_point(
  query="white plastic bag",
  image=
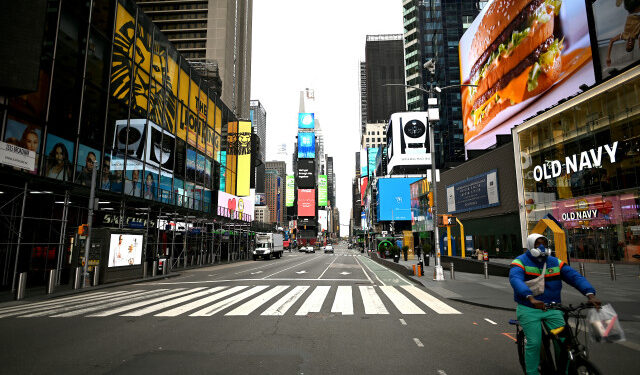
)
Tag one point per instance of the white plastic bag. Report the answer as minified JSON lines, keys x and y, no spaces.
{"x":605,"y":325}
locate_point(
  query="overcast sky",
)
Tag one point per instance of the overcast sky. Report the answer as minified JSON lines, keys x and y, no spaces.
{"x":317,"y":44}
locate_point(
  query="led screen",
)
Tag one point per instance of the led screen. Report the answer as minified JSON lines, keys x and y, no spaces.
{"x":307,"y":202}
{"x":394,"y":199}
{"x":373,"y":153}
{"x":520,"y":68}
{"x":290,"y":194}
{"x":306,"y":174}
{"x":306,"y":146}
{"x":306,"y":121}
{"x":322,"y":190}
{"x":125,"y":250}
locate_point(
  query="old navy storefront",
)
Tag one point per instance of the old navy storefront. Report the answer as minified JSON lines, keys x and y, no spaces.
{"x":580,"y":165}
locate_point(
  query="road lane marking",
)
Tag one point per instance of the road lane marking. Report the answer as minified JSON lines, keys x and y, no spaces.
{"x":343,"y":302}
{"x":301,"y":272}
{"x":201,"y":302}
{"x":253,"y":280}
{"x":288,"y":268}
{"x":363,"y":271}
{"x":403,"y":322}
{"x":418,"y":342}
{"x":56,"y":301}
{"x":180,"y":292}
{"x":219,"y":306}
{"x":142,"y":296}
{"x":374,"y":274}
{"x":490,"y":321}
{"x":94,"y":302}
{"x":314,"y":301}
{"x":432,"y":302}
{"x":372,"y":303}
{"x":284,"y":304}
{"x":345,"y":273}
{"x":404,"y":305}
{"x":249,"y":307}
{"x":169,"y":303}
{"x":267,"y":265}
{"x":323,"y":272}
{"x":255,"y":273}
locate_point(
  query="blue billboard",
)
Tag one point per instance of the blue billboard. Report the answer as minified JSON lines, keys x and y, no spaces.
{"x":474,"y":193}
{"x":306,"y":146}
{"x":373,"y":154}
{"x":394,"y":199}
{"x":306,"y":121}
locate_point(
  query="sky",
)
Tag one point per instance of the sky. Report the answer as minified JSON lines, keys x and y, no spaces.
{"x":300,"y":44}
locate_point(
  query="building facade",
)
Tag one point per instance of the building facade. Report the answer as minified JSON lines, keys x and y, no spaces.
{"x":125,"y":106}
{"x":216,"y":36}
{"x":258,"y":117}
{"x":278,"y":210}
{"x":375,"y":135}
{"x":263,"y":214}
{"x":432,"y":31}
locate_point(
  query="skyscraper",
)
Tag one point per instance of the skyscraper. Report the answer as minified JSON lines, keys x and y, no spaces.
{"x":280,"y":168}
{"x":384,"y":61}
{"x":432,"y":30}
{"x":215,"y":35}
{"x":258,"y":117}
{"x":363,"y":95}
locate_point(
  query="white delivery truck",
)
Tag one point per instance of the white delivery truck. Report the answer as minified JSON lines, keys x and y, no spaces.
{"x":268,"y":245}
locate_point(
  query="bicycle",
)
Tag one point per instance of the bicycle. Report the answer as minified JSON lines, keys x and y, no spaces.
{"x":574,"y":357}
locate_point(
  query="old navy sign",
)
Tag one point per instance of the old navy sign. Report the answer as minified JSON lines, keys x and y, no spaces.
{"x":580,"y":215}
{"x":575,"y":163}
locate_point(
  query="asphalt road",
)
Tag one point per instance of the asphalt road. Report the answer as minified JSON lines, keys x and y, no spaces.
{"x":303,"y":314}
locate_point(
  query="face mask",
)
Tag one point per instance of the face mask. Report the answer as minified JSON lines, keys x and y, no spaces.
{"x":540,"y":251}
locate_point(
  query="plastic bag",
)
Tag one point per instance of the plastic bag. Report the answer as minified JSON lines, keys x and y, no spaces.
{"x":605,"y":325}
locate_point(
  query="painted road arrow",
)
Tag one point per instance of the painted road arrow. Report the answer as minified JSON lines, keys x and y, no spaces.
{"x":255,"y":273}
{"x":345,"y":273}
{"x":301,"y":272}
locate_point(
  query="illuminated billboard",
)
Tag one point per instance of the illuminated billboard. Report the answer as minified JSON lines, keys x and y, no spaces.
{"x":323,"y":220}
{"x":244,"y":159}
{"x":408,"y":140}
{"x":322,"y":190}
{"x":234,"y":207}
{"x":306,"y":146}
{"x":306,"y":121}
{"x":617,"y":25}
{"x":306,"y":174}
{"x":373,"y":154}
{"x":290,"y":193}
{"x":394,"y":199}
{"x":125,"y":250}
{"x":307,"y":202}
{"x":520,"y":68}
{"x":364,"y":170}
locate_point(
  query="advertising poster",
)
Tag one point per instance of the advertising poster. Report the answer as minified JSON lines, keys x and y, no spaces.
{"x":520,"y":68}
{"x":306,"y":121}
{"x":232,"y":157}
{"x":474,"y":193}
{"x":306,"y":174}
{"x":290,"y":193}
{"x":363,"y":189}
{"x":234,"y":207}
{"x":307,"y":202}
{"x":59,"y":153}
{"x":125,"y":250}
{"x":306,"y":145}
{"x":322,"y":190}
{"x":595,"y":211}
{"x":88,"y":157}
{"x":408,"y":140}
{"x":23,"y":135}
{"x":200,"y":167}
{"x":191,"y":164}
{"x":373,"y":154}
{"x":261,"y":199}
{"x":244,"y":158}
{"x":394,"y":199}
{"x":161,"y":146}
{"x":323,"y":220}
{"x":617,"y":31}
{"x":223,"y":162}
{"x":364,"y":163}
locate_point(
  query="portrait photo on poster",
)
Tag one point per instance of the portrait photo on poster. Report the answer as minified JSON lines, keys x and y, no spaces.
{"x":125,"y":250}
{"x":59,"y":154}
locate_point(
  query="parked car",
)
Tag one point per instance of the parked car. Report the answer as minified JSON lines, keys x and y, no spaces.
{"x":328,"y":249}
{"x":309,"y":249}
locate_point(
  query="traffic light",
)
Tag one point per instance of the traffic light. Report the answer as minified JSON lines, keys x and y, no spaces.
{"x":430,"y":196}
{"x":83,"y":230}
{"x":446,"y":220}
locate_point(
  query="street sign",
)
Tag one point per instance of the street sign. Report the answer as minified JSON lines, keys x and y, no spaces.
{"x":446,"y":220}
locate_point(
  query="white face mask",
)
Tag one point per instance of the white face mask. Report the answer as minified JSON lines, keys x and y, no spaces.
{"x":540,"y":251}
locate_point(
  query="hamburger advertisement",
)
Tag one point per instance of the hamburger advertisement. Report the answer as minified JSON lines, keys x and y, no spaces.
{"x":520,"y":57}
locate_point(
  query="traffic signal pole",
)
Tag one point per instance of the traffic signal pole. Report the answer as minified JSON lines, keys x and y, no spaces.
{"x":438,"y":273}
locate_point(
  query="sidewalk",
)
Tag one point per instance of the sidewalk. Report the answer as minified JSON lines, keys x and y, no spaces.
{"x":496,"y":292}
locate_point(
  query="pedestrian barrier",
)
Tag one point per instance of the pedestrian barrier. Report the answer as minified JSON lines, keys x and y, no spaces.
{"x":417,"y":270}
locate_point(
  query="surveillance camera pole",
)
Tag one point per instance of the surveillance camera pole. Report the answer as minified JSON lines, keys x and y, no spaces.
{"x":438,"y":272}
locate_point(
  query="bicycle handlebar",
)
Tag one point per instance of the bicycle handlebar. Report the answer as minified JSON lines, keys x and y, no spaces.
{"x":570,"y":308}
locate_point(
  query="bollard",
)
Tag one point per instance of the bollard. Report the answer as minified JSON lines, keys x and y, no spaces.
{"x":154,"y":270}
{"x":178,"y":262}
{"x":145,"y":270}
{"x":420,"y":271}
{"x":51,"y":282}
{"x":612,"y":268}
{"x":96,"y":276}
{"x":22,"y":286}
{"x":165,"y":266}
{"x":582,"y":272}
{"x":77,"y":278}
{"x":486,"y":270}
{"x":453,"y":275}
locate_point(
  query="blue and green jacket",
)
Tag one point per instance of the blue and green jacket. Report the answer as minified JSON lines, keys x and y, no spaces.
{"x":527,"y":267}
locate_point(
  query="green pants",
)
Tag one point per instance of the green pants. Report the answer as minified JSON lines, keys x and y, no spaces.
{"x":530,"y":320}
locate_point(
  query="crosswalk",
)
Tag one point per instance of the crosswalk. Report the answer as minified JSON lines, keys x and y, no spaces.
{"x":240,"y":300}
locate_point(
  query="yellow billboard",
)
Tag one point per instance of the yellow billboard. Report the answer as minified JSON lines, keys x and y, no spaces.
{"x":232,"y":156}
{"x":244,"y":158}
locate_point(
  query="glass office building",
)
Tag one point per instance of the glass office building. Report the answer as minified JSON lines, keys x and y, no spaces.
{"x":116,"y":97}
{"x":580,"y":164}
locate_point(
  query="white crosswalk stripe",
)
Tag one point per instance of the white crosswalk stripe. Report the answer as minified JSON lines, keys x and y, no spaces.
{"x":240,"y":300}
{"x":314,"y":301}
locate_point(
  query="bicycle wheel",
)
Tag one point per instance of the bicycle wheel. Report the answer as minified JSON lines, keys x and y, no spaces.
{"x":520,"y":344}
{"x":582,"y":366}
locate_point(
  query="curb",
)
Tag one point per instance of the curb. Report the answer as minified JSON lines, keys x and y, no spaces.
{"x":482,"y":305}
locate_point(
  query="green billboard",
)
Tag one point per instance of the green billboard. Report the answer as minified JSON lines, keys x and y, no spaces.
{"x":322,"y":190}
{"x":290,"y":195}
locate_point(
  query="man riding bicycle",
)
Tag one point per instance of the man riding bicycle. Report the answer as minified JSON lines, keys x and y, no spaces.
{"x":531,"y":310}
